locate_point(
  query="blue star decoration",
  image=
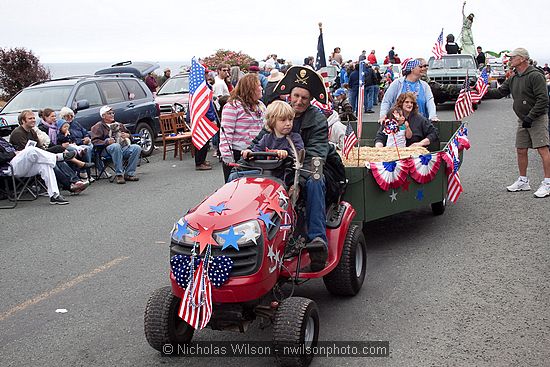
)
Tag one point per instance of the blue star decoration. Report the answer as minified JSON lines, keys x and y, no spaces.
{"x":420,"y":194}
{"x":218,"y":208}
{"x":181,"y":230}
{"x":219,"y":269}
{"x":230,"y":239}
{"x":266,"y":218}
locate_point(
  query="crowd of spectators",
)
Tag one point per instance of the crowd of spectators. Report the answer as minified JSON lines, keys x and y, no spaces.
{"x":63,"y":156}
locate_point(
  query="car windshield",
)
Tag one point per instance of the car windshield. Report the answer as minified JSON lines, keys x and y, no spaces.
{"x":39,"y":98}
{"x":452,"y":63}
{"x":175,"y":85}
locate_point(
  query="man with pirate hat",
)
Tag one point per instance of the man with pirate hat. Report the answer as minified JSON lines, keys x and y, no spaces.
{"x":302,"y":84}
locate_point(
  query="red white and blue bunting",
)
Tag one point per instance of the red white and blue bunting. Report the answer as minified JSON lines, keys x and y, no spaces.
{"x":390,"y":175}
{"x":424,"y":168}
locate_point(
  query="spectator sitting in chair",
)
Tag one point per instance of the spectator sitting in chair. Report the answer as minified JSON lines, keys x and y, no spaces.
{"x":65,"y":175}
{"x":112,"y":135}
{"x":33,"y":161}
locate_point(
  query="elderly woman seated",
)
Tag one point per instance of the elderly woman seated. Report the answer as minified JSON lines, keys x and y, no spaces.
{"x":420,"y":131}
{"x":73,"y":137}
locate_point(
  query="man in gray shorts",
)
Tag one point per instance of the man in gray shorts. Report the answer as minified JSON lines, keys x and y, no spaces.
{"x":528,"y":88}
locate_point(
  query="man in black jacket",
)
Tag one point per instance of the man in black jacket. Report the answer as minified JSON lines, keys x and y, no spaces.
{"x":304,"y":85}
{"x":528,"y":88}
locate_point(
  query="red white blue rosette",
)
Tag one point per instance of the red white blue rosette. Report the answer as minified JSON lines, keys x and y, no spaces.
{"x":390,"y":175}
{"x":424,"y":168}
{"x":462,"y":137}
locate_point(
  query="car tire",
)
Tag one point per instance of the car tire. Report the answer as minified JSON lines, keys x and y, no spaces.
{"x":147,"y":137}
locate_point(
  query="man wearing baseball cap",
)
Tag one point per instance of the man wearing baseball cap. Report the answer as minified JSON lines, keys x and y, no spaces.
{"x":528,"y":88}
{"x":105,"y":133}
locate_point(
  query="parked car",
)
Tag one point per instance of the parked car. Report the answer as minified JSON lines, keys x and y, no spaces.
{"x":396,"y":68}
{"x":130,"y":98}
{"x":333,"y":72}
{"x":173,"y":95}
{"x":497,"y":74}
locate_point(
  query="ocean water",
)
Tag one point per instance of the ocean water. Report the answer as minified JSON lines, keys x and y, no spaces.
{"x":62,"y":70}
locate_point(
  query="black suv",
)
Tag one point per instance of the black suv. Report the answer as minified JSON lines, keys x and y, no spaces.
{"x":129,"y":97}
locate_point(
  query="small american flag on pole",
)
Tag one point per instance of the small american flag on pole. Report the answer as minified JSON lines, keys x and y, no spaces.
{"x":360,"y":98}
{"x":463,"y":105}
{"x":200,"y":96}
{"x":481,"y":87}
{"x":196,"y":304}
{"x":454,"y":188}
{"x":438,"y":49}
{"x":349,"y":140}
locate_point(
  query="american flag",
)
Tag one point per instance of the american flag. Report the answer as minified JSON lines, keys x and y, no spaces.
{"x":360,"y":98}
{"x":481,"y":87}
{"x":325,"y":108}
{"x":438,"y":49}
{"x":463,"y":105}
{"x":200,"y":96}
{"x":349,"y":141}
{"x":454,"y":188}
{"x":196,"y":304}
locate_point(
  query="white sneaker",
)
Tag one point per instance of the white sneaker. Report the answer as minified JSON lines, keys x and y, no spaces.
{"x":543,"y":190}
{"x":519,"y":185}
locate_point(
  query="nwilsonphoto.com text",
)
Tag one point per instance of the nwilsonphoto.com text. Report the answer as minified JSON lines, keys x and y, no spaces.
{"x":268,"y":349}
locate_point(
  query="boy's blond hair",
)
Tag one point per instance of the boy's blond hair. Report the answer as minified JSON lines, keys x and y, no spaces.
{"x":276,"y":111}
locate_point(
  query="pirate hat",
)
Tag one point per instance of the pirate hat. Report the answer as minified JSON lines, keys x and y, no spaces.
{"x":300,"y":76}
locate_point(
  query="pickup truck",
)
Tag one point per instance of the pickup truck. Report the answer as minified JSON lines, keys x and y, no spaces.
{"x":447,"y":75}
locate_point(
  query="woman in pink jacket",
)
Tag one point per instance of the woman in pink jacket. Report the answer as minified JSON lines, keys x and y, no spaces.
{"x":242,"y":120}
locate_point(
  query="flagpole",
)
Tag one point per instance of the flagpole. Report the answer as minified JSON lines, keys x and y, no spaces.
{"x":360,"y":101}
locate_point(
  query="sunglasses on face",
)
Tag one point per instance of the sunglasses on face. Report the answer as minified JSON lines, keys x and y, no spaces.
{"x":423,"y":66}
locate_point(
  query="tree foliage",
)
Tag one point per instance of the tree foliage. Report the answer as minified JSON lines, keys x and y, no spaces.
{"x":229,"y":57}
{"x":19,"y":68}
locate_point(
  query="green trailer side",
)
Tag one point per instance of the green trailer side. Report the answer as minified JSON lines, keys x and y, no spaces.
{"x":371,"y":202}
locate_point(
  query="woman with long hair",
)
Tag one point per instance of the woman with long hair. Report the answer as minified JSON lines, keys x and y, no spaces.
{"x":413,"y":69}
{"x":423,"y":132}
{"x":242,"y":120}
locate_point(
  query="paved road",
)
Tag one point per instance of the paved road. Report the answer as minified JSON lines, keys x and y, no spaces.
{"x":469,"y":288}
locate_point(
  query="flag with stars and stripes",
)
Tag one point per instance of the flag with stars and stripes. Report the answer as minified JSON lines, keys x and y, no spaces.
{"x":196,"y":304}
{"x":200,"y":97}
{"x":349,"y":140}
{"x":481,"y":87}
{"x":320,"y":61}
{"x":454,"y":186}
{"x":360,"y":98}
{"x":438,"y":49}
{"x":326,"y":109}
{"x":463,"y":105}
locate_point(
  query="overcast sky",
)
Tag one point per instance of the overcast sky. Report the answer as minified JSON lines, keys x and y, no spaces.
{"x":171,"y":30}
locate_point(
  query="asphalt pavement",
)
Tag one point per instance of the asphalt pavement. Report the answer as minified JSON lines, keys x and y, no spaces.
{"x":468,"y":288}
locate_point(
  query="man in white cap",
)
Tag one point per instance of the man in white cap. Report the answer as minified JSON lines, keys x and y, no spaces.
{"x":528,"y":88}
{"x":105,"y":133}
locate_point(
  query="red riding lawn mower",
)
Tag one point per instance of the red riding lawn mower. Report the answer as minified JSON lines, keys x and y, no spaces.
{"x":232,"y":254}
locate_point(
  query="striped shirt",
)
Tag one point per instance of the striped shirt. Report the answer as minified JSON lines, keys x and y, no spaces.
{"x":239,"y":127}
